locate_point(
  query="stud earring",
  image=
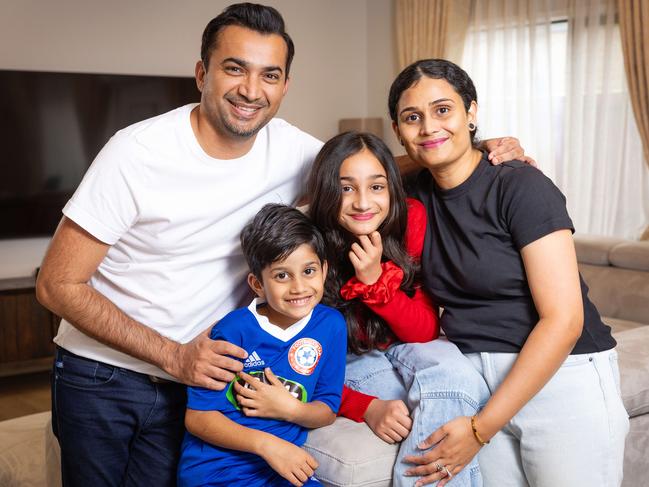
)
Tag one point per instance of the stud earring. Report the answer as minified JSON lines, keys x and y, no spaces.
{"x":472,"y":126}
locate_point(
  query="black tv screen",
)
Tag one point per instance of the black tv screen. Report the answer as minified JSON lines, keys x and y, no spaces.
{"x":52,"y":125}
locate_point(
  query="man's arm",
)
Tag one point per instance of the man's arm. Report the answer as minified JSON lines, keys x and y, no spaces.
{"x":290,"y":461}
{"x":62,"y":286}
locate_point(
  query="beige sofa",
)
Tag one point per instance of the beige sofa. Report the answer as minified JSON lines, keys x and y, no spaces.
{"x":617,"y":272}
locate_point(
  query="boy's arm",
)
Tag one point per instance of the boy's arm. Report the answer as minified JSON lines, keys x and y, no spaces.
{"x":290,"y":461}
{"x":274,"y":401}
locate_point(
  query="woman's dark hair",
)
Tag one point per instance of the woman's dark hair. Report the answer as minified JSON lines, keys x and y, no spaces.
{"x":260,"y":18}
{"x":437,"y":69}
{"x":275,"y":232}
{"x":325,"y":191}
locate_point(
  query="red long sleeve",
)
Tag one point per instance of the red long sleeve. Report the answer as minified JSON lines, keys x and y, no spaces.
{"x":354,"y":404}
{"x":412,"y":319}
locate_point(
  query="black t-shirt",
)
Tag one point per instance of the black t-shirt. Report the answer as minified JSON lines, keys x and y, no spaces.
{"x":471,"y":263}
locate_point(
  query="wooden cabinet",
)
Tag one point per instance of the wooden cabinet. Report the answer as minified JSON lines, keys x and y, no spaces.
{"x":26,"y":329}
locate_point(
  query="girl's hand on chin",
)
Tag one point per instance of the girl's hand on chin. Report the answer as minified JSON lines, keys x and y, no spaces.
{"x":365,"y":255}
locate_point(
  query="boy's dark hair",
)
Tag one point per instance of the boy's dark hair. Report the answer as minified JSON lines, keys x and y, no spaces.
{"x":275,"y":232}
{"x":260,"y":18}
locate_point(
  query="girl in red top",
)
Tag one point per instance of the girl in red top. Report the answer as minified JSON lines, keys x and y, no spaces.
{"x":399,"y":379}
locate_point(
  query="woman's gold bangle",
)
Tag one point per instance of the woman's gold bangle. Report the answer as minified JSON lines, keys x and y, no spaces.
{"x":475,"y":432}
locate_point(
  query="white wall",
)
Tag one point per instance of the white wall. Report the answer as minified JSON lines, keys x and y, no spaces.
{"x":382,"y":65}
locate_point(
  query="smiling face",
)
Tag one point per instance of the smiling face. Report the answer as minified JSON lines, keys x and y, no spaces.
{"x":291,"y":287}
{"x":365,"y":199}
{"x":434,"y":124}
{"x":245,"y":83}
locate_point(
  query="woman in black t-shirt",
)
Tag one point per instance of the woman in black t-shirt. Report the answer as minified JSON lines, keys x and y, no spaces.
{"x":499,"y":258}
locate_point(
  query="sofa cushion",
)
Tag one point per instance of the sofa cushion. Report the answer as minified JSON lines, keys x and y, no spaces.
{"x":350,"y":453}
{"x":633,"y":353}
{"x":619,"y":293}
{"x":617,"y":325}
{"x":593,"y":249}
{"x":636,"y":467}
{"x":630,"y":255}
{"x":27,"y":454}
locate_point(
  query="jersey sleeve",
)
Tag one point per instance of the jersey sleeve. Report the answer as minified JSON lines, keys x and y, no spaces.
{"x":329,"y":387}
{"x":532,"y":206}
{"x":202,"y":399}
{"x":105,"y":202}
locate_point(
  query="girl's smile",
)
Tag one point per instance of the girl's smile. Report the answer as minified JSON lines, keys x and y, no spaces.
{"x":365,"y":196}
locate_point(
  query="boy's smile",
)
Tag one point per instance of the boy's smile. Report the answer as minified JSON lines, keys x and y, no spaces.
{"x":291,"y":287}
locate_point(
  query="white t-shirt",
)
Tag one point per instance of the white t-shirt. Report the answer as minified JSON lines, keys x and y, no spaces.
{"x":172,"y":215}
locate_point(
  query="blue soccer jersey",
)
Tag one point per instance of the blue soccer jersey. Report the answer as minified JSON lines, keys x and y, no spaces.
{"x":311,"y":364}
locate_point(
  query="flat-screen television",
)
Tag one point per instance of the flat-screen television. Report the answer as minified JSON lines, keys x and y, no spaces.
{"x":52,"y":125}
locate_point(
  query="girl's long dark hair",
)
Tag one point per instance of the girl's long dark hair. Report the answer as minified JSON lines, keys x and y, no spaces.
{"x":325,"y":192}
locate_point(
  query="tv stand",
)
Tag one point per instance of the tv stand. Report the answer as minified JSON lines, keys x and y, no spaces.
{"x":26,"y":328}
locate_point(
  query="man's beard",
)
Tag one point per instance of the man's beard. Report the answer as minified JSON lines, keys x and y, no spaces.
{"x":241,"y":132}
{"x":237,"y":131}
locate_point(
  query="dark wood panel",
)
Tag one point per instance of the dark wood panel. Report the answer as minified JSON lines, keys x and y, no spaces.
{"x":18,"y":283}
{"x":34,"y":330}
{"x":55,"y":321}
{"x":25,"y":366}
{"x":8,"y":323}
{"x":3,"y":340}
{"x":26,"y":330}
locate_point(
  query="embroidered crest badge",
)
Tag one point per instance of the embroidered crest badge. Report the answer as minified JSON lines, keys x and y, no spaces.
{"x":304,"y":355}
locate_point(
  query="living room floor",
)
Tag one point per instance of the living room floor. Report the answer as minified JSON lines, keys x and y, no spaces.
{"x":24,"y":394}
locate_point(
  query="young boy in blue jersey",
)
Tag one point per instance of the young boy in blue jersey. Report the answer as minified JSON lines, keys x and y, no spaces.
{"x":250,"y":433}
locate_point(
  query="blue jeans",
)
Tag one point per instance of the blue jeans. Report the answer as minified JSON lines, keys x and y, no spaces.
{"x":436,"y":382}
{"x":115,"y":426}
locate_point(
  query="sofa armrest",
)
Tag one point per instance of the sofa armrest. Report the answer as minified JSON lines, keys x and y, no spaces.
{"x":29,"y":453}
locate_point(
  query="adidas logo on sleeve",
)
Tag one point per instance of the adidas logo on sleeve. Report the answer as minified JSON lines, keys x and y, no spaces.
{"x":253,"y":360}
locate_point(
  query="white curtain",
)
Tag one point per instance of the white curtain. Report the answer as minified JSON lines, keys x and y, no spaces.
{"x":603,"y":170}
{"x":551,"y":73}
{"x":508,"y":54}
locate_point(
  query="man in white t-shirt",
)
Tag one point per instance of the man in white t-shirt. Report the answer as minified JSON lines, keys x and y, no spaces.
{"x":147,"y":256}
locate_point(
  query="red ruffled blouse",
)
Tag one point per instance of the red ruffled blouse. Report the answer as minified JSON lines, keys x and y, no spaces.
{"x":411,"y":319}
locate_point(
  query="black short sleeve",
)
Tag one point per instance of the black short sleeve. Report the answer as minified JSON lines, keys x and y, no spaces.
{"x":471,"y":261}
{"x":532,"y":206}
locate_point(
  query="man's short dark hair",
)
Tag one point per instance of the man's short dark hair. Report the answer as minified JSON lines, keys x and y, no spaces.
{"x":260,"y":18}
{"x":275,"y":232}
